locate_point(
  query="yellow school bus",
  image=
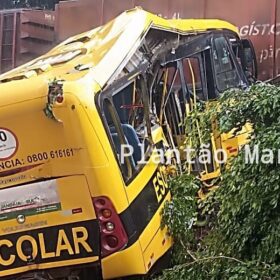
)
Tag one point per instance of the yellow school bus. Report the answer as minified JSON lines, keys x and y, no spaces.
{"x":71,"y":204}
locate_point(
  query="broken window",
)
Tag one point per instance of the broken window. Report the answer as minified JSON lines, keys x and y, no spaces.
{"x":127,"y":119}
{"x":193,"y":77}
{"x":225,"y":70}
{"x":169,"y":102}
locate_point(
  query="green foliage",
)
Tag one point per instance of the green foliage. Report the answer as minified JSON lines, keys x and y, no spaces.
{"x":181,"y":213}
{"x":248,"y":221}
{"x":241,"y":239}
{"x":198,"y":127}
{"x":214,"y":268}
{"x":260,"y":105}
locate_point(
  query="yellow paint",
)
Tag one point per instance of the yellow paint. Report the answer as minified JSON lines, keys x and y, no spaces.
{"x":42,"y":245}
{"x":81,"y":240}
{"x":63,"y":244}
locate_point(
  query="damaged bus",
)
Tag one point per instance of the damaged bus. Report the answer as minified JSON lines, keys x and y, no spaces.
{"x":71,"y":207}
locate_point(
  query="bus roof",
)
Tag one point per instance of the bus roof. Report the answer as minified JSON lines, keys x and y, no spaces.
{"x":99,"y":53}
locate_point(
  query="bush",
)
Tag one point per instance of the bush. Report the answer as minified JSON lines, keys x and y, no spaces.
{"x":241,"y":240}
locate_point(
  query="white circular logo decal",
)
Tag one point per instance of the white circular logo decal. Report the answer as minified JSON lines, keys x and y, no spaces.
{"x":8,"y":144}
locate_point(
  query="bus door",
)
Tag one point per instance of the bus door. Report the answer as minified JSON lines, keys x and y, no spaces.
{"x":194,"y":86}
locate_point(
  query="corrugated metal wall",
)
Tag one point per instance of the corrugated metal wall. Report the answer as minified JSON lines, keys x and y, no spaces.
{"x":8,"y":34}
{"x":24,"y":34}
{"x":258,"y":19}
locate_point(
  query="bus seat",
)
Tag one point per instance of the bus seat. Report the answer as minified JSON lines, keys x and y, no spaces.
{"x":133,"y":140}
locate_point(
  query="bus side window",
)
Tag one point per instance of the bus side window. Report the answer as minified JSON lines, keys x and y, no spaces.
{"x":226,"y":72}
{"x":130,"y":106}
{"x":117,"y":137}
{"x":126,"y":115}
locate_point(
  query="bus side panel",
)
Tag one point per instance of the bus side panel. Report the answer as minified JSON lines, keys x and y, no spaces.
{"x":124,"y":263}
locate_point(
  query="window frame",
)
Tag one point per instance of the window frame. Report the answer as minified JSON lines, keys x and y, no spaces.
{"x":108,"y":94}
{"x":233,"y":59}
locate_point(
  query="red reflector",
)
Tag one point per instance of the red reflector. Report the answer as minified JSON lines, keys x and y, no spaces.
{"x":112,"y":232}
{"x":106,"y":213}
{"x":59,"y":99}
{"x":99,"y":202}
